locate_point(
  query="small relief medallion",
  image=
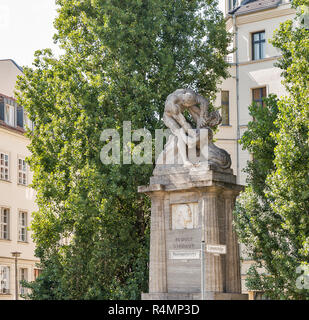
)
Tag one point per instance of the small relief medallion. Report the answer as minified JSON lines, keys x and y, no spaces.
{"x":185,"y":216}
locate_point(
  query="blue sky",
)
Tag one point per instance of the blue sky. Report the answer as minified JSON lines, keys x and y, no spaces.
{"x":26,"y":26}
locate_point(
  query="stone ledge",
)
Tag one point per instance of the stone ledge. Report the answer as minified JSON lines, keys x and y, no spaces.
{"x":186,"y":186}
{"x":178,"y":176}
{"x":150,"y":188}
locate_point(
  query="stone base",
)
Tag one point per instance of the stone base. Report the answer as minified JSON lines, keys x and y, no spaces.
{"x":169,"y":175}
{"x":189,"y":204}
{"x":194,"y":296}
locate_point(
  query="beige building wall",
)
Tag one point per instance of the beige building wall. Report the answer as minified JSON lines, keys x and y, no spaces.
{"x":15,"y":196}
{"x":9,"y":71}
{"x":249,"y":74}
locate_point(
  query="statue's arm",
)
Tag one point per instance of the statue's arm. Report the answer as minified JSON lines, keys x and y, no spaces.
{"x":203,"y":104}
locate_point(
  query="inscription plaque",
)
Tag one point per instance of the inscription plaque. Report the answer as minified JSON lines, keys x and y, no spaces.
{"x":184,"y":254}
{"x":183,"y":243}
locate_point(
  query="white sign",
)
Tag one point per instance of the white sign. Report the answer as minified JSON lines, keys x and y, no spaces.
{"x":216,"y":248}
{"x":184,"y":254}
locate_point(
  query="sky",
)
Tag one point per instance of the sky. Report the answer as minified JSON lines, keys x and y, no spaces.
{"x":27,"y":26}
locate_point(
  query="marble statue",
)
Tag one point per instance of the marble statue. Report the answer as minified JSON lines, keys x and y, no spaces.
{"x":188,"y":137}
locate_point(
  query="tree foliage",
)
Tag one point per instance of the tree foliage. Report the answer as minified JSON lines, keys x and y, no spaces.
{"x":272,"y":214}
{"x":121,"y":59}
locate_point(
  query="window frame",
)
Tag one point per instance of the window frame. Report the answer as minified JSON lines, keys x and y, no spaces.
{"x":3,"y":166}
{"x":28,"y":124}
{"x":23,"y":276}
{"x":7,"y":224}
{"x":6,"y":289}
{"x":22,"y":227}
{"x":23,"y":171}
{"x":259,"y":43}
{"x":225,"y":104}
{"x":260,"y":100}
{"x":232,"y":4}
{"x":36,"y":273}
{"x":20,"y":115}
{"x":13,"y":113}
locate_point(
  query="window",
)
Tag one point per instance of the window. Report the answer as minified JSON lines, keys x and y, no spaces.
{"x":20,"y":116}
{"x":28,"y":124}
{"x":22,"y":226}
{"x":4,"y":166}
{"x":9,"y":115}
{"x":23,"y":277}
{"x":232,"y":4}
{"x":4,"y":279}
{"x":225,"y":102}
{"x":258,"y":95}
{"x":258,"y":45}
{"x":22,"y":172}
{"x":4,"y":223}
{"x":37,"y":273}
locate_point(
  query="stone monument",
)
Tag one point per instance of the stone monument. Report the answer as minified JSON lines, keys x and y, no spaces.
{"x":194,"y":252}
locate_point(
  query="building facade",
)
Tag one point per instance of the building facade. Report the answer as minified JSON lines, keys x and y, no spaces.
{"x":17,"y":199}
{"x":253,"y":75}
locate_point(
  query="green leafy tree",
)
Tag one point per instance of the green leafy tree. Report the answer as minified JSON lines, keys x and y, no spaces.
{"x":272,"y":214}
{"x":121,"y":59}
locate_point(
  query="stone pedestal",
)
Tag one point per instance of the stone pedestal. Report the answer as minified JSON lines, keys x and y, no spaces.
{"x":190,"y":204}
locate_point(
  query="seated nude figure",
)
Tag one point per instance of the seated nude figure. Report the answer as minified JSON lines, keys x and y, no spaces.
{"x":176,"y":103}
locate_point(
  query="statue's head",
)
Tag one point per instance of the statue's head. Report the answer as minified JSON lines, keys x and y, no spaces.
{"x":188,"y":99}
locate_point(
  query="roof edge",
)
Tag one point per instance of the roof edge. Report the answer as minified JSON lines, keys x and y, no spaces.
{"x":18,"y":66}
{"x":234,"y":11}
{"x":5,"y":96}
